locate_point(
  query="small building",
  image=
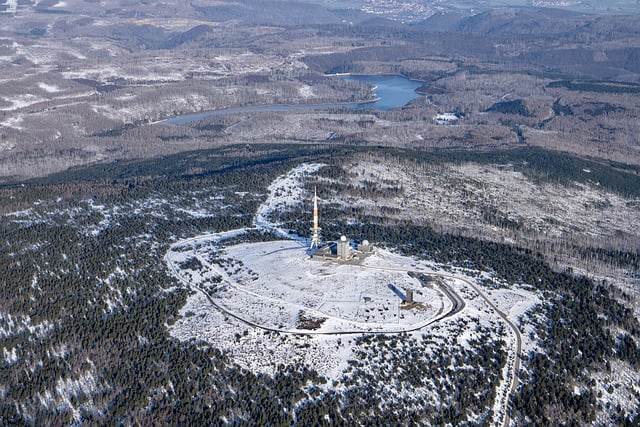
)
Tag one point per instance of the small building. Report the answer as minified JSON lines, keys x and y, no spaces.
{"x":408,"y":299}
{"x":365,"y":247}
{"x":329,"y":250}
{"x":344,"y":250}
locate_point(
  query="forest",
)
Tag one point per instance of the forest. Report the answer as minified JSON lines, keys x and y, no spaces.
{"x":534,"y":187}
{"x":86,"y":302}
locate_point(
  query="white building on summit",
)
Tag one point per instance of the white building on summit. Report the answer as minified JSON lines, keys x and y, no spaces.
{"x":340,"y":250}
{"x":344,"y":249}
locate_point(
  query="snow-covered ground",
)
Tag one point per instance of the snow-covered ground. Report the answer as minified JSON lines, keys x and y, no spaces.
{"x":13,"y":122}
{"x":516,"y":303}
{"x":12,"y":6}
{"x":445,"y":118}
{"x":620,"y":386}
{"x":306,"y":92}
{"x":21,"y":101}
{"x":285,"y":192}
{"x":473,"y":199}
{"x":48,"y":88}
{"x":457,"y":194}
{"x":269,"y":303}
{"x":276,"y":285}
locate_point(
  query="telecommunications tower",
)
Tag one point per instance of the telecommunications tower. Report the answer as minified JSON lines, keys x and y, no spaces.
{"x":315,"y":230}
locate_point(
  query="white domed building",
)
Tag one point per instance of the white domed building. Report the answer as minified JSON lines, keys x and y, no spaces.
{"x":344,"y":248}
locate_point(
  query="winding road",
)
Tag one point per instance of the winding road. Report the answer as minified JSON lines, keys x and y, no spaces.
{"x":457,"y":303}
{"x":510,"y":380}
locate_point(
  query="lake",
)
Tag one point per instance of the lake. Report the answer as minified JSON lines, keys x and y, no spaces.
{"x":391,"y":92}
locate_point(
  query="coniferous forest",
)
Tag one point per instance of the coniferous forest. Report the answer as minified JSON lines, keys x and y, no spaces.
{"x":86,"y":301}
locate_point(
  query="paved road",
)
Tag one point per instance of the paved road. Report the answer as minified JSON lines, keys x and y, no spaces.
{"x":516,"y":358}
{"x":457,"y":305}
{"x":516,"y":354}
{"x":512,"y":389}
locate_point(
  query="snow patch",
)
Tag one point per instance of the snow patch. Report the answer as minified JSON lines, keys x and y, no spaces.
{"x":13,"y":122}
{"x":9,"y":356}
{"x":445,"y":118}
{"x":306,"y":92}
{"x":285,"y":192}
{"x":21,"y":101}
{"x":619,"y":387}
{"x":49,"y":88}
{"x":12,"y":6}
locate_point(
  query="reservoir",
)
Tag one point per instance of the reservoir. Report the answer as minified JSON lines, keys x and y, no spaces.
{"x":391,"y":92}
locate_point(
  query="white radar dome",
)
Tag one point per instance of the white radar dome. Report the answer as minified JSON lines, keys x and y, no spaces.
{"x":343,"y":239}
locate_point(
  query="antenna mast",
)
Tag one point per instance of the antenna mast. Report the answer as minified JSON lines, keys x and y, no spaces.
{"x":315,"y":231}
